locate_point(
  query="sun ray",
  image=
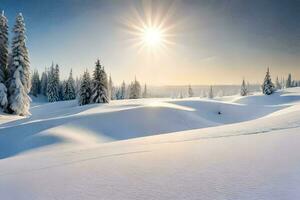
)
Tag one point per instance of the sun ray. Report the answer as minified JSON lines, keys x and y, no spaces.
{"x":151,"y":27}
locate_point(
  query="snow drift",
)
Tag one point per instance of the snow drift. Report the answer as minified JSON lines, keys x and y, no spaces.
{"x":63,"y":122}
{"x":195,"y":149}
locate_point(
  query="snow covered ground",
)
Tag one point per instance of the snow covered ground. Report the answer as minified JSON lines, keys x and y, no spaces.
{"x":229,"y":148}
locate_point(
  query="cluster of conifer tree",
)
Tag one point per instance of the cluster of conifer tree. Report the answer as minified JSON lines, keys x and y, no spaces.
{"x":50,"y":85}
{"x":97,"y":88}
{"x":15,"y":81}
{"x":268,"y":87}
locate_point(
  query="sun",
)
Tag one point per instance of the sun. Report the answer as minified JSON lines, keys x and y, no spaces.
{"x":151,"y":27}
{"x":152,"y":36}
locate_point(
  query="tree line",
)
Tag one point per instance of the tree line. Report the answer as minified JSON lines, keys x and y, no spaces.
{"x":267,"y":87}
{"x":97,"y":88}
{"x":88,"y":89}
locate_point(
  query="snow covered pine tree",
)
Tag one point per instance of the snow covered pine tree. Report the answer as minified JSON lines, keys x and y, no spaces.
{"x":100,"y":85}
{"x":53,"y":85}
{"x":190,"y":91}
{"x":123,"y":91}
{"x":19,"y":85}
{"x":268,"y":87}
{"x":111,"y":89}
{"x":85,"y":91}
{"x":44,"y":82}
{"x":244,"y":90}
{"x":145,"y":92}
{"x":289,"y":81}
{"x":211,"y":93}
{"x":35,"y":84}
{"x":135,"y":90}
{"x":3,"y":60}
{"x":69,"y":88}
{"x":277,"y":84}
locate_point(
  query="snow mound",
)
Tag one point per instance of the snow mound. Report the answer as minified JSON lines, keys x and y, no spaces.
{"x":65,"y":123}
{"x":213,"y":150}
{"x":289,"y":96}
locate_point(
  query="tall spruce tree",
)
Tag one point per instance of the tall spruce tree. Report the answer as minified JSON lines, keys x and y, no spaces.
{"x":277,"y":84}
{"x":58,"y":84}
{"x":3,"y":60}
{"x":210,"y":93}
{"x":69,"y":88}
{"x":63,"y":90}
{"x":35,"y":84}
{"x":3,"y":96}
{"x":3,"y":48}
{"x":111,"y":89}
{"x":44,"y":82}
{"x":100,"y":85}
{"x":135,"y":90}
{"x":53,"y":85}
{"x":268,"y":87}
{"x":77,"y":84}
{"x":19,"y":85}
{"x":145,"y":92}
{"x":190,"y":91}
{"x":85,"y":91}
{"x":118,"y":93}
{"x":123,"y":91}
{"x":289,"y":81}
{"x":244,"y":89}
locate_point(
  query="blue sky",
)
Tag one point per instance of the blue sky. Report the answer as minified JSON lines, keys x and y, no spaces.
{"x":215,"y":42}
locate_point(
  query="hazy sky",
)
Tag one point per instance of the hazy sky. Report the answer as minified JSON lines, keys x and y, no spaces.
{"x":212,"y":41}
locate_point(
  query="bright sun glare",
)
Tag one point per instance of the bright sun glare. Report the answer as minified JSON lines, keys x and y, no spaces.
{"x":151,"y":28}
{"x":152,"y":36}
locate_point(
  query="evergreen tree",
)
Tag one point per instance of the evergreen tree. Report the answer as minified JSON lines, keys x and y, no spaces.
{"x":19,"y":85}
{"x":289,"y":81}
{"x":63,"y":90}
{"x":277,"y":83}
{"x":3,"y":60}
{"x":35,"y":84}
{"x":145,"y":92}
{"x":111,"y":89}
{"x":69,"y":88}
{"x":3,"y":48}
{"x":58,"y":83}
{"x":52,"y":86}
{"x":85,"y":91}
{"x":190,"y":91}
{"x":244,"y":90}
{"x":77,"y":85}
{"x":135,"y":90}
{"x":211,"y":93}
{"x":123,"y":91}
{"x":3,"y":96}
{"x":118,"y":93}
{"x":100,"y":85}
{"x":44,"y":82}
{"x":267,"y":86}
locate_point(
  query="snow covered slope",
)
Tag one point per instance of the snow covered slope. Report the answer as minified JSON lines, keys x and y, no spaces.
{"x":194,"y":149}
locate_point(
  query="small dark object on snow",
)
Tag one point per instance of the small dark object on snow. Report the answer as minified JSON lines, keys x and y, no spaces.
{"x":219,"y":113}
